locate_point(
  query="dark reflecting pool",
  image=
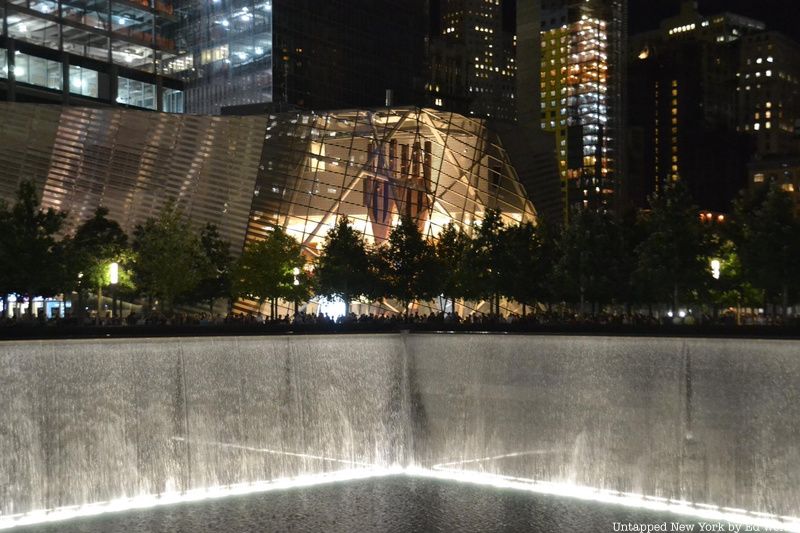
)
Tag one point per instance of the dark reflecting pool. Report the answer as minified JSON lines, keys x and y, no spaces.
{"x":397,"y":504}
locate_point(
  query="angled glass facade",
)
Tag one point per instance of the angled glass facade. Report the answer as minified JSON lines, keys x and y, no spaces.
{"x":249,"y":175}
{"x":374,"y":166}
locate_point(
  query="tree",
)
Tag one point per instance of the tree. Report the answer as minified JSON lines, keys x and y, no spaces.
{"x":674,"y":256}
{"x":265,"y":271}
{"x":97,"y":243}
{"x":6,"y":258}
{"x":32,"y":258}
{"x":487,"y":260}
{"x":768,"y":239}
{"x":215,"y":280}
{"x":169,"y":259}
{"x":451,"y":263}
{"x":343,"y":268}
{"x":408,"y":264}
{"x":589,"y":264}
{"x":730,"y":288}
{"x":526,"y":277}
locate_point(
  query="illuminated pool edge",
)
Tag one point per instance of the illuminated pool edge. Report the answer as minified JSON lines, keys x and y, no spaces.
{"x":703,"y":511}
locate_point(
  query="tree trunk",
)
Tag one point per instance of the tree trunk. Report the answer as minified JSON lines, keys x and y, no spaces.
{"x":30,"y":305}
{"x":785,"y":299}
{"x":523,"y":310}
{"x":99,"y":302}
{"x":675,"y":298}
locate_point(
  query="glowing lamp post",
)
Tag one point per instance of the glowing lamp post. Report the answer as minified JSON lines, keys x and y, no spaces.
{"x":715,"y":268}
{"x":296,"y":272}
{"x":113,"y":275}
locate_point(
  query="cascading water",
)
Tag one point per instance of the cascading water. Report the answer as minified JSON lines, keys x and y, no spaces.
{"x":706,"y":421}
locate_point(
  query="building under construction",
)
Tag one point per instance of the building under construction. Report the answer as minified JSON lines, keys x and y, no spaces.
{"x":581,"y":96}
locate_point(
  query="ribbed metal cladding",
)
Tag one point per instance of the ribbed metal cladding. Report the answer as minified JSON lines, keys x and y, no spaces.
{"x":27,"y":133}
{"x":133,"y":162}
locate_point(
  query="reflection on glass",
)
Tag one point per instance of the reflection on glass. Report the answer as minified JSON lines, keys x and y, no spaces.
{"x":132,"y":23}
{"x":173,"y":101}
{"x":31,"y":29}
{"x":84,"y":43}
{"x":133,"y":56}
{"x":37,"y":71}
{"x":3,"y":63}
{"x":136,"y":93}
{"x":82,"y":81}
{"x":93,"y":13}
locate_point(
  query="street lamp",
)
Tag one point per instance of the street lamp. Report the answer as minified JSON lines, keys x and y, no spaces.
{"x":113,"y":274}
{"x":296,"y":272}
{"x":715,"y":268}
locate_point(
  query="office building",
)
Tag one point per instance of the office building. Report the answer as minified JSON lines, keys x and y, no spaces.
{"x":768,"y":92}
{"x":682,"y":99}
{"x":310,"y":54}
{"x":472,"y":58}
{"x":90,"y":53}
{"x":581,"y":84}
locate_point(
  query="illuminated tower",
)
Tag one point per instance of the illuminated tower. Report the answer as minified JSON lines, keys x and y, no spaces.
{"x":582,"y":72}
{"x":472,"y":58}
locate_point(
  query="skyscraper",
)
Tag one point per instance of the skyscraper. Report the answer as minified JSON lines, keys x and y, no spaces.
{"x":768,"y":92}
{"x":707,"y":93}
{"x":319,"y":54}
{"x":472,"y":58}
{"x":581,"y":84}
{"x":89,"y":53}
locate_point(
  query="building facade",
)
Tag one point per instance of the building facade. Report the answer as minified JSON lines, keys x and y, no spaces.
{"x":581,"y":88}
{"x":248,"y":175}
{"x":768,"y":92}
{"x":90,"y":53}
{"x":473,"y":58}
{"x":682,"y":97}
{"x":318,"y":54}
{"x":708,"y":94}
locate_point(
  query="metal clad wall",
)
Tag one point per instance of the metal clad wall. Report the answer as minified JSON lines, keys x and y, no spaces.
{"x":133,"y":162}
{"x":26,"y":141}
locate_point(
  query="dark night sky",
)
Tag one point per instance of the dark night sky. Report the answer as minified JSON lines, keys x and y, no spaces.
{"x":781,"y":15}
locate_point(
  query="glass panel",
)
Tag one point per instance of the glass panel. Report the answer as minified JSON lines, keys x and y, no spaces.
{"x":173,"y":101}
{"x":171,"y":64}
{"x":37,"y":71}
{"x":136,"y":93}
{"x":131,"y":55}
{"x":92,"y":13}
{"x":3,"y":63}
{"x":84,"y":43}
{"x":82,"y":81}
{"x":132,"y":23}
{"x":33,"y":29}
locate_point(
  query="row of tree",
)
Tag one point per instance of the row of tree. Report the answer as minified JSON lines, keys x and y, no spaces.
{"x":661,"y":256}
{"x":165,"y":261}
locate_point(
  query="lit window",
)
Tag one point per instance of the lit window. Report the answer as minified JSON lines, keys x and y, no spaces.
{"x":756,"y":126}
{"x":758,"y":178}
